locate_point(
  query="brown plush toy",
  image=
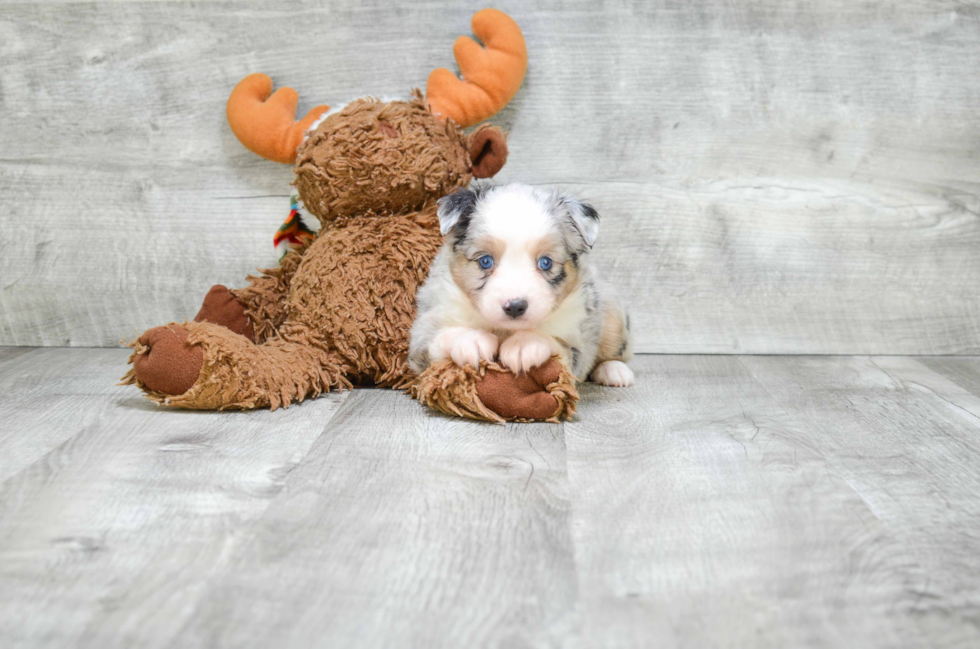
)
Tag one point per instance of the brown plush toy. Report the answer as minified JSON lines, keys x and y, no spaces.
{"x":338,"y":310}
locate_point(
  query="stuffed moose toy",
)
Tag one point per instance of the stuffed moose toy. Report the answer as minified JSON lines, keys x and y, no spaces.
{"x":338,"y":310}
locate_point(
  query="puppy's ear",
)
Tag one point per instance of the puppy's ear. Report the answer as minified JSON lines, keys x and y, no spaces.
{"x":455,"y":209}
{"x":584,"y":218}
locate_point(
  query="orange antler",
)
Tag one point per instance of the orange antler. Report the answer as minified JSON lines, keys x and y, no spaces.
{"x":266,"y":125}
{"x":491,"y":76}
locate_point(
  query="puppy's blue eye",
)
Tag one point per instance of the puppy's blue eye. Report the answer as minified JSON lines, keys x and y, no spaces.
{"x":544,"y":263}
{"x":486,"y":262}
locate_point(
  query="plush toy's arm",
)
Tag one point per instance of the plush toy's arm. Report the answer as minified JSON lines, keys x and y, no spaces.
{"x":265,"y":296}
{"x":494,"y":393}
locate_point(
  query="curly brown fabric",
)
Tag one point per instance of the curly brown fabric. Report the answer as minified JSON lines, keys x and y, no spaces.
{"x":338,"y":312}
{"x":349,"y":311}
{"x":355,"y":291}
{"x":265,"y":296}
{"x":236,"y":373}
{"x":380,"y":157}
{"x":547,"y":393}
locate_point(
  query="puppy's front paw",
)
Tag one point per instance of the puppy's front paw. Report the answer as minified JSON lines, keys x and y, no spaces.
{"x":613,"y":373}
{"x":472,"y":346}
{"x":525,"y":350}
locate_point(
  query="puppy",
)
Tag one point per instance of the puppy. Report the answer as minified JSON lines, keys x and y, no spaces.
{"x":514,"y":282}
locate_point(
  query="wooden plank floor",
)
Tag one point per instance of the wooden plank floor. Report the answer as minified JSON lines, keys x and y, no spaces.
{"x":724,"y":501}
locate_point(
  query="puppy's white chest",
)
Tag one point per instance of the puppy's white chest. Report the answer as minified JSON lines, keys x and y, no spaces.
{"x":565,"y":323}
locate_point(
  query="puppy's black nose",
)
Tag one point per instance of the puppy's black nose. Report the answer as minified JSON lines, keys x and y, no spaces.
{"x":515,"y":308}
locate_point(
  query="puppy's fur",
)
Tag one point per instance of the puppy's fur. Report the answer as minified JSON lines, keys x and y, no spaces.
{"x":519,"y":309}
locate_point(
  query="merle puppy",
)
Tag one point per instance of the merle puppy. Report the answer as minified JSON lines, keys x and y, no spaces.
{"x":514,"y":283}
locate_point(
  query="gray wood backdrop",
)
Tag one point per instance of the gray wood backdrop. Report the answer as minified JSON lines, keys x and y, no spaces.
{"x":773,"y":177}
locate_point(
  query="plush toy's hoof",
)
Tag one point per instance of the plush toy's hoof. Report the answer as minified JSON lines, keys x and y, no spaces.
{"x":221,"y":307}
{"x":524,"y":396}
{"x":164,"y":362}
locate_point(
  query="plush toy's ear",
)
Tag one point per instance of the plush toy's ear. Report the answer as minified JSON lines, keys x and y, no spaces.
{"x":583,"y":217}
{"x":488,"y":151}
{"x":455,"y":209}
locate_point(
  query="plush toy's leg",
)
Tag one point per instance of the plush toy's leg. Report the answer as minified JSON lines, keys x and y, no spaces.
{"x":203,"y":366}
{"x":494,"y":393}
{"x":262,"y":302}
{"x":221,"y":307}
{"x":264,"y":299}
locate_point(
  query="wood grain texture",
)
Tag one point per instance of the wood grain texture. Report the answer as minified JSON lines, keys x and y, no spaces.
{"x":773,"y":177}
{"x":49,"y":396}
{"x":962,"y":371}
{"x":404,"y":528}
{"x":724,"y":501}
{"x":6,"y":353}
{"x":912,"y":456}
{"x":113,"y":511}
{"x":932,"y":376}
{"x":706,"y":515}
